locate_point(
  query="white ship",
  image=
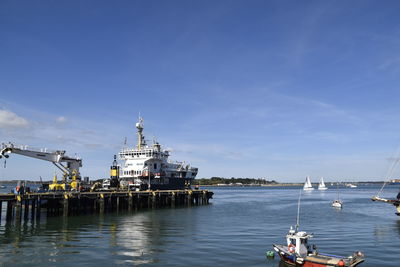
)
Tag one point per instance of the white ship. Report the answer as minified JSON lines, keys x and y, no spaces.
{"x":147,"y":167}
{"x":321,"y":185}
{"x":307,"y":185}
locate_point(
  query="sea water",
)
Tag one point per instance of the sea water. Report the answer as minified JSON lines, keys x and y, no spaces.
{"x":236,"y":229}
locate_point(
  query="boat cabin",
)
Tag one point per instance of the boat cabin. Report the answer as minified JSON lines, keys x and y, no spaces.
{"x":298,"y":242}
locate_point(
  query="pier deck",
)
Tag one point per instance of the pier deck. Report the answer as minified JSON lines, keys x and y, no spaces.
{"x":32,"y":205}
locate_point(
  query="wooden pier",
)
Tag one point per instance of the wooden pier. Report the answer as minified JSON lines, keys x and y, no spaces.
{"x":32,"y":205}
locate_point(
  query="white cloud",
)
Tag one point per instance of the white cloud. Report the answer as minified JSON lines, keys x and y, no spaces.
{"x":62,"y":119}
{"x":10,"y":120}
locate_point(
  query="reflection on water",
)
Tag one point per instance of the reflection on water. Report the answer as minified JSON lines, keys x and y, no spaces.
{"x":397,"y":226}
{"x":126,"y":236}
{"x":133,"y":236}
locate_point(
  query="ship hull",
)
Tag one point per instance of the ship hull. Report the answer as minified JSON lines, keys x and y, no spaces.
{"x":173,"y":184}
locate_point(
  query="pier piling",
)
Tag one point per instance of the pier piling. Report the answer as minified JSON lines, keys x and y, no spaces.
{"x":75,"y":203}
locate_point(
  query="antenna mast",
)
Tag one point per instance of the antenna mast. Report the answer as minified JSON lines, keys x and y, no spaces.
{"x":139,"y":127}
{"x":298,"y":212}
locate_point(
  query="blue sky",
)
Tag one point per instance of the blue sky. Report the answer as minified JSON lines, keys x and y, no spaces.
{"x":273,"y":89}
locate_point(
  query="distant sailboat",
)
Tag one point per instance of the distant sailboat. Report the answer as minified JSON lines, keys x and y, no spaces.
{"x":307,"y":185}
{"x":337,"y":203}
{"x":321,"y":185}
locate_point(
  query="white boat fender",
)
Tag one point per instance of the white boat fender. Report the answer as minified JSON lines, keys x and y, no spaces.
{"x":299,"y":260}
{"x":291,"y":248}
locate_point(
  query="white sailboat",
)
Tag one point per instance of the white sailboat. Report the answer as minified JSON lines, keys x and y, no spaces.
{"x":307,"y":185}
{"x":337,"y":203}
{"x":321,"y":185}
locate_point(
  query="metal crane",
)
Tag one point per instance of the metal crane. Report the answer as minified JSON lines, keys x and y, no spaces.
{"x":57,"y":157}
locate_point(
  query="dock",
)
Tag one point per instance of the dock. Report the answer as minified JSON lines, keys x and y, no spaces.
{"x":32,"y":205}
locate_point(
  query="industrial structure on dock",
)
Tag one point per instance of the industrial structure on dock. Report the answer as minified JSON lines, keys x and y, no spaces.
{"x":143,"y":167}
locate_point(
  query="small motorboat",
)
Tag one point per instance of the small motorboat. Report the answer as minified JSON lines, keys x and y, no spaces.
{"x":298,"y":252}
{"x":337,"y":203}
{"x":2,"y":186}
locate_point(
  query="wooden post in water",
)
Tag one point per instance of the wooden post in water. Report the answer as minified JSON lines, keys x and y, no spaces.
{"x":130,"y":200}
{"x":109,"y":203}
{"x":101,"y":204}
{"x":33,"y":202}
{"x":38,"y":207}
{"x":18,"y":209}
{"x":137,"y":202}
{"x":9,"y":211}
{"x":153,"y":200}
{"x":189,"y":198}
{"x":95,"y":201}
{"x":26,"y":209}
{"x":173,"y":196}
{"x":65,"y":205}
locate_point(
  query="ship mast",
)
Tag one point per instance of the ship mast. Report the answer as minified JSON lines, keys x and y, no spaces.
{"x":139,"y":127}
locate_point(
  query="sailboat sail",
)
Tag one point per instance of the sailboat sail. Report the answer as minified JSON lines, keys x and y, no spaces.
{"x":307,"y":184}
{"x":321,"y":185}
{"x":391,"y":171}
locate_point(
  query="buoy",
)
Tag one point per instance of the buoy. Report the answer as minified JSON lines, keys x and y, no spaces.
{"x":270,"y":254}
{"x":341,"y":263}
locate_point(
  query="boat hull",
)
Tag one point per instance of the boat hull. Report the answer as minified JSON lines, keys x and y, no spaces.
{"x":315,"y":260}
{"x":308,"y":188}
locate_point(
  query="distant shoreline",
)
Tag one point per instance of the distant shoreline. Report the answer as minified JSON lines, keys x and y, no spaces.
{"x":286,"y":184}
{"x":226,"y":185}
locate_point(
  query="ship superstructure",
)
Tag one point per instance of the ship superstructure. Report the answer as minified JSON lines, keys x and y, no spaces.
{"x":148,"y":167}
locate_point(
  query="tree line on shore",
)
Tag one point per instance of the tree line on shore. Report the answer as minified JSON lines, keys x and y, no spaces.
{"x":232,"y":180}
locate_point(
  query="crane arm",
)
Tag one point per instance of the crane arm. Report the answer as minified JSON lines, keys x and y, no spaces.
{"x":52,"y":157}
{"x":56,"y":157}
